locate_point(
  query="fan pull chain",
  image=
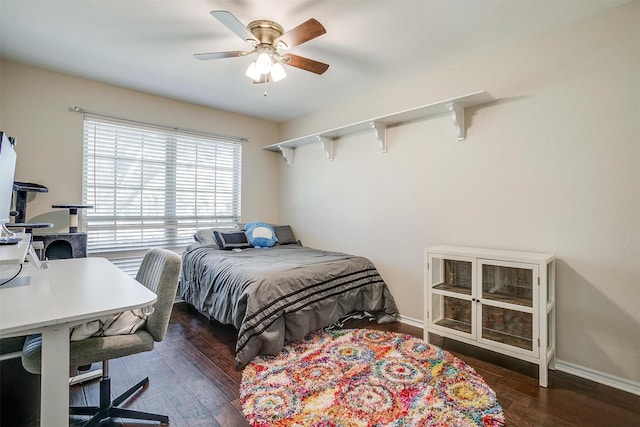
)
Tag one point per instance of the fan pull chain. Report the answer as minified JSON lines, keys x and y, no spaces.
{"x":265,"y":87}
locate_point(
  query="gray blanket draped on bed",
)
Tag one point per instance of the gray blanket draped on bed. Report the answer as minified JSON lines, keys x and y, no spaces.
{"x":280,"y":294}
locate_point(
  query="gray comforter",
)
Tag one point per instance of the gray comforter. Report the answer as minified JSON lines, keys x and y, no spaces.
{"x":280,"y":294}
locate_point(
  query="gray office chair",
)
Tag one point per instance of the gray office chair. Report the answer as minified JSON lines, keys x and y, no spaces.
{"x":159,"y":271}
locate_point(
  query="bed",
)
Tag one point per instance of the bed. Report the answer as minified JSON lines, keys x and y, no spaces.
{"x":279,"y":294}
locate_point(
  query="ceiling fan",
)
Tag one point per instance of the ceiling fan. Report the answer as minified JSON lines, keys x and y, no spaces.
{"x":270,"y":43}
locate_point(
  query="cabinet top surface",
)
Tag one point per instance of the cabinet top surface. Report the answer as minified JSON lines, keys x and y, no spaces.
{"x":490,"y":253}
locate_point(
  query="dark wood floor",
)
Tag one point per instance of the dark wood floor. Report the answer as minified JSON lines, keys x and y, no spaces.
{"x":193,"y":379}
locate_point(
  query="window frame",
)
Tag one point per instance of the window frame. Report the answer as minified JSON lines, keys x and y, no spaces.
{"x":159,"y":201}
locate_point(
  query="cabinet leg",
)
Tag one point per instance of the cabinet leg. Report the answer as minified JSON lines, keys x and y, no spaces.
{"x":552,"y":362}
{"x":433,"y":339}
{"x":544,"y":375}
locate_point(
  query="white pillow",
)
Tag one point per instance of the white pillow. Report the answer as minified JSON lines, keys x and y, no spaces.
{"x":125,"y":323}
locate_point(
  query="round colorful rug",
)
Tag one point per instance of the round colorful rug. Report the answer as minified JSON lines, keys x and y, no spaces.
{"x":364,"y":377}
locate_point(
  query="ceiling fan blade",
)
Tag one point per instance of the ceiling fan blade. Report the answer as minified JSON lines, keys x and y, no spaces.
{"x":216,"y":55}
{"x":305,"y":63}
{"x":233,"y":24}
{"x":302,"y":33}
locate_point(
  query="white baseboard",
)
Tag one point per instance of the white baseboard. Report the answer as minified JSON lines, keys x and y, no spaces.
{"x":570,"y":368}
{"x":599,"y":377}
{"x":411,"y":321}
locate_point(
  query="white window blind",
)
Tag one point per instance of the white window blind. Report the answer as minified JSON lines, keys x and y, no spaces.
{"x":154,"y":187}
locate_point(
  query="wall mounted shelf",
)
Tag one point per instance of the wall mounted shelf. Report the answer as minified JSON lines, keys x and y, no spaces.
{"x":454,"y":106}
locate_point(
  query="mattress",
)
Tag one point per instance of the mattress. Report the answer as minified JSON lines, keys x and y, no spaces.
{"x":279,"y":294}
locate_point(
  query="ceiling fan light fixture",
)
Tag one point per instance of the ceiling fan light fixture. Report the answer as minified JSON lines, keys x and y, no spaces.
{"x":267,"y":38}
{"x":264,"y":62}
{"x":277,"y":72}
{"x":252,"y":72}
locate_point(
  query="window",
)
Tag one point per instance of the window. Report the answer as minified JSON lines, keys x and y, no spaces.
{"x":154,"y":187}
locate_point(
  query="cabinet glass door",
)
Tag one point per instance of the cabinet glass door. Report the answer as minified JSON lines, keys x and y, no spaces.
{"x":451,"y":309}
{"x":452,"y":313}
{"x":511,"y":284}
{"x":451,"y":275}
{"x":508,"y":295}
{"x":509,"y":327}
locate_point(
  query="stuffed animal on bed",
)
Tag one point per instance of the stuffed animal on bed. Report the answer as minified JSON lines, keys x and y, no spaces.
{"x":260,"y":234}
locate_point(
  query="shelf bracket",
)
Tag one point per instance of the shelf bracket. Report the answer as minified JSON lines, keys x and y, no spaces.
{"x":327,"y":145}
{"x":381,"y":134}
{"x":457,"y":116}
{"x":287,"y":153}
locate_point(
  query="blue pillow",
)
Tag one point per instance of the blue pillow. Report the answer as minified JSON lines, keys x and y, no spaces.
{"x":260,"y":234}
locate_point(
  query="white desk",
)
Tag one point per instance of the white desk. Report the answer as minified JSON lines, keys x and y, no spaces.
{"x":69,"y":292}
{"x":12,"y":254}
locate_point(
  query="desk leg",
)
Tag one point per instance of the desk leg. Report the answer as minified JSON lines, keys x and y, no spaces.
{"x":55,"y":377}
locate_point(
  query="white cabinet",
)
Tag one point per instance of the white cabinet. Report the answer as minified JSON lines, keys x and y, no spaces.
{"x":495,"y":299}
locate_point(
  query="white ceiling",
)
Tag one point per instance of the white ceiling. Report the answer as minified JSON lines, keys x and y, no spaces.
{"x":148,"y":45}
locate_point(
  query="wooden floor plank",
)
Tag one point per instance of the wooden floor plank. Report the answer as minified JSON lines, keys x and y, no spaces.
{"x":193,"y":379}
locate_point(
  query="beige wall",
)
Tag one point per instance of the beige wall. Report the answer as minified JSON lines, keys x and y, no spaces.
{"x":34,"y":107}
{"x":552,"y":167}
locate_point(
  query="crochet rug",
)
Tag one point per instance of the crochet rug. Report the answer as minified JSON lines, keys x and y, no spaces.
{"x":364,"y":377}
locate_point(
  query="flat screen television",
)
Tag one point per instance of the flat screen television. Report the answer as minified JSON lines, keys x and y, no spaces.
{"x":7,"y":170}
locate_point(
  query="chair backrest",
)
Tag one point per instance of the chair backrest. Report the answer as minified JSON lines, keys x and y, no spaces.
{"x":160,"y":272}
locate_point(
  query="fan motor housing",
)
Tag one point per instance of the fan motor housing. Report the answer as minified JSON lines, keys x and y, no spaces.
{"x":265,"y":31}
